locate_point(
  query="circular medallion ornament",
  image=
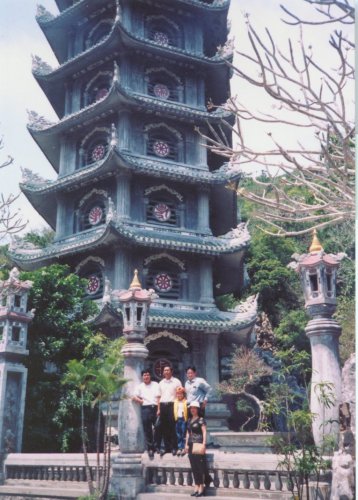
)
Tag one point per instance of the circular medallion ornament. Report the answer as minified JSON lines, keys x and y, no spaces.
{"x":93,"y":285}
{"x":98,"y":152}
{"x":159,"y":365}
{"x":161,"y":38}
{"x":163,"y":282}
{"x":95,"y":215}
{"x":101,"y":93}
{"x":161,"y":90}
{"x":162,"y":212}
{"x":161,"y":148}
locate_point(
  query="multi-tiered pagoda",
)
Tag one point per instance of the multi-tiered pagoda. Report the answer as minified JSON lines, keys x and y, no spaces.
{"x":136,"y":187}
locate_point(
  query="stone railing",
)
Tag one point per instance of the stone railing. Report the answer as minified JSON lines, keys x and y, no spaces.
{"x":48,"y":467}
{"x":223,"y":478}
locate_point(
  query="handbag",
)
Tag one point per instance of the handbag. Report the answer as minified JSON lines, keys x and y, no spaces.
{"x":198,"y":449}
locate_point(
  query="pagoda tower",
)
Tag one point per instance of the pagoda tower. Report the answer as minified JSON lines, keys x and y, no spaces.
{"x":136,"y":187}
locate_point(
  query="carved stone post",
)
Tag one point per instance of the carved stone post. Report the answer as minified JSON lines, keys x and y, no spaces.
{"x":14,"y":319}
{"x":127,"y":478}
{"x":318,"y":279}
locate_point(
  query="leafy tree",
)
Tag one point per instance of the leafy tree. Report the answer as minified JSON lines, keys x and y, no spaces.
{"x":97,"y":379}
{"x":59,"y":332}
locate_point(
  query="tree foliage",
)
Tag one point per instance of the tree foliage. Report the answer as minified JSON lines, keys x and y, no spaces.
{"x":58,"y":333}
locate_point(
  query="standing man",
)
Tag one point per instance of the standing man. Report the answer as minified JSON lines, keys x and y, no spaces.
{"x":147,"y":395}
{"x":167,"y":395}
{"x":197,"y":389}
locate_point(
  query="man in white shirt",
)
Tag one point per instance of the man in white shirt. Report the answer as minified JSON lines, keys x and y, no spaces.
{"x":147,"y":395}
{"x":167,"y":395}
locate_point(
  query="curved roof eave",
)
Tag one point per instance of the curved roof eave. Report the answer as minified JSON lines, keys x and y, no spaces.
{"x":130,"y":234}
{"x":115,"y":160}
{"x":136,"y":42}
{"x":119,"y":95}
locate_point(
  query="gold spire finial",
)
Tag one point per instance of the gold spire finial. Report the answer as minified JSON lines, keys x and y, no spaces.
{"x":135,"y":281}
{"x":315,"y":245}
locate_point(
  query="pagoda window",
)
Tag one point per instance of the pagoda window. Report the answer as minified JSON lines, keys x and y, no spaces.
{"x":93,"y":148}
{"x":164,"y":277}
{"x":98,"y":33}
{"x":163,"y":86}
{"x":93,"y":274}
{"x":162,"y":142}
{"x":97,"y":89}
{"x":163,"y":31}
{"x":92,"y":214}
{"x":163,"y":206}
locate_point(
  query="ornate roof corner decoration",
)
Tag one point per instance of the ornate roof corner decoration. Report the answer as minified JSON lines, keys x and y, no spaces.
{"x":29,"y":177}
{"x":14,"y":282}
{"x":227,"y":50}
{"x":114,"y":140}
{"x":21,"y":247}
{"x":118,"y":17}
{"x":238,"y":234}
{"x":37,"y":122}
{"x":43,"y":15}
{"x":116,"y":73}
{"x":111,"y":212}
{"x":247,"y":308}
{"x":107,"y":292}
{"x":40,"y":67}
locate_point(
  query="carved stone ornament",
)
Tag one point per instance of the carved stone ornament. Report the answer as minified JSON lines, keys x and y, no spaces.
{"x":227,"y":49}
{"x":163,"y":187}
{"x":37,"y":121}
{"x":43,"y":14}
{"x":39,"y":66}
{"x":169,"y":335}
{"x":111,"y":213}
{"x":29,"y":177}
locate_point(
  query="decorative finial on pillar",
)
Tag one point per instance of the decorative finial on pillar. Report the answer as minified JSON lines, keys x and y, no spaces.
{"x":113,"y":142}
{"x":116,"y":72}
{"x":135,"y":282}
{"x":315,"y":245}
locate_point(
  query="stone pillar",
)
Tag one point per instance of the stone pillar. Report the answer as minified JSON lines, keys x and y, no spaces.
{"x":127,"y":469}
{"x":14,"y":320}
{"x":123,"y":197}
{"x":203,"y":210}
{"x":318,"y":272}
{"x":212,"y":358}
{"x":217,"y":412}
{"x":122,"y":263}
{"x":206,"y":281}
{"x":61,"y":217}
{"x":324,"y":334}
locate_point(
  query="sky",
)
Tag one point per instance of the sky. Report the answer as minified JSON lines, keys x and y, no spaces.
{"x":20,"y":36}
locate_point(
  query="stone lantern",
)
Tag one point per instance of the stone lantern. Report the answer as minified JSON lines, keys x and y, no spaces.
{"x":317,"y":272}
{"x":127,"y":479}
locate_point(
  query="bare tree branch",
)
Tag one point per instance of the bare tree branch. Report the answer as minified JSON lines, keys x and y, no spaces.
{"x":10,"y":221}
{"x":312,"y":184}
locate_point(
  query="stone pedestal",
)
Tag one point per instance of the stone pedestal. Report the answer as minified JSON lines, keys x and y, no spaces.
{"x":323,"y":334}
{"x":127,"y":476}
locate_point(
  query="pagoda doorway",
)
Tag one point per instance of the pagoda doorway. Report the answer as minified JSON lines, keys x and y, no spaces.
{"x":165,"y":349}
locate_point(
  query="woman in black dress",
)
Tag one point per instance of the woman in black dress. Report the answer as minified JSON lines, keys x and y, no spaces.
{"x":196,"y":433}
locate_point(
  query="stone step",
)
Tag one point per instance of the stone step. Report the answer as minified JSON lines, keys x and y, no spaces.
{"x":215,"y":493}
{"x":182,"y":492}
{"x":22,"y":489}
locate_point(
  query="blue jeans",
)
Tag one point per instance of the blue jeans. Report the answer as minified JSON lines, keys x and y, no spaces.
{"x":180,"y":428}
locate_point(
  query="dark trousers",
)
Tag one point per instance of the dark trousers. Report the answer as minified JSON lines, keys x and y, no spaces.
{"x":180,"y":428}
{"x":167,"y":426}
{"x":198,"y":467}
{"x":149,"y":415}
